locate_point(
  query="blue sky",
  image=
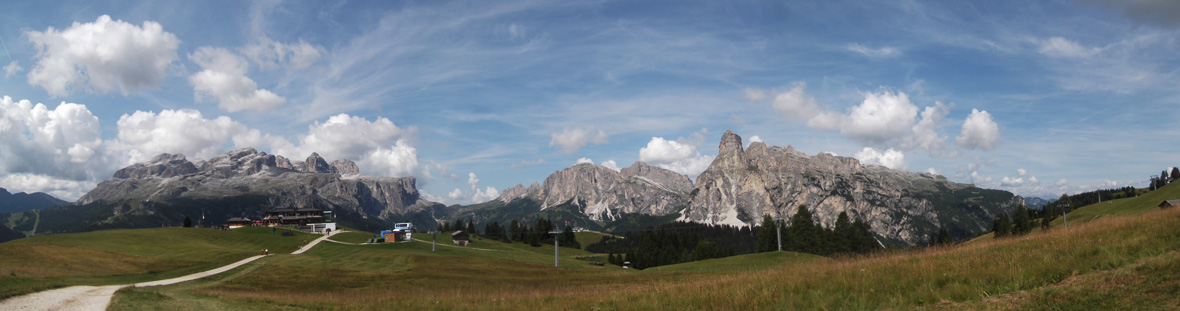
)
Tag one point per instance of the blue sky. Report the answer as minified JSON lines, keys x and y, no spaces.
{"x":1039,"y":98}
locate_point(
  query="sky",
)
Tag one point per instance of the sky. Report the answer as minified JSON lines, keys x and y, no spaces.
{"x":1039,"y":98}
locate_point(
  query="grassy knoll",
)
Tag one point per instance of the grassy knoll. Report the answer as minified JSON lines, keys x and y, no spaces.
{"x":1092,"y":259}
{"x":587,"y":238}
{"x":352,"y":237}
{"x":1144,"y":203}
{"x":125,"y":256}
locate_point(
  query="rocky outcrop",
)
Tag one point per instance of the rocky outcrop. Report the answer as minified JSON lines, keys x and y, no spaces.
{"x":742,"y":185}
{"x":164,"y":165}
{"x":604,"y":194}
{"x":249,"y":172}
{"x":316,"y":164}
{"x":345,"y":167}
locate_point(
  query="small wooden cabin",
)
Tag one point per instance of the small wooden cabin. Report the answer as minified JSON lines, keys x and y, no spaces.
{"x":1169,"y":204}
{"x":460,"y":238}
{"x":238,"y":222}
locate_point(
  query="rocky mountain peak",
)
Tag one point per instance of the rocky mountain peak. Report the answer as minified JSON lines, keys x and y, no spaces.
{"x":316,"y":164}
{"x":345,"y":167}
{"x":731,"y":143}
{"x":666,"y":178}
{"x":164,"y":165}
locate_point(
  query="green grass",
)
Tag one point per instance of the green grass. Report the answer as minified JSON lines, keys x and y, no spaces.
{"x":741,"y":263}
{"x":1144,"y":203}
{"x":127,"y":256}
{"x":587,"y":238}
{"x":352,"y":237}
{"x":1111,"y":262}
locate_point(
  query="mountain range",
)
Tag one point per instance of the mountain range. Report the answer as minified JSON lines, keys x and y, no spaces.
{"x":743,"y":184}
{"x":740,"y":186}
{"x":20,"y":201}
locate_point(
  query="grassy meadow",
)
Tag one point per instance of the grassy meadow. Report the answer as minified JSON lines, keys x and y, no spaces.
{"x":129,"y":255}
{"x":1127,"y":260}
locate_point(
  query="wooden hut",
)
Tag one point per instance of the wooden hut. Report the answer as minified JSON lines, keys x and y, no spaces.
{"x":460,"y":238}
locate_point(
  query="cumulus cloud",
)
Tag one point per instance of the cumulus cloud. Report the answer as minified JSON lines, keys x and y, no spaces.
{"x":477,"y":195}
{"x":572,"y":140}
{"x":1021,"y":172}
{"x":882,"y":52}
{"x":611,"y":165}
{"x":1061,"y":47}
{"x":1033,"y":180}
{"x":59,"y":143}
{"x":1061,"y":182}
{"x":888,"y":158}
{"x":399,"y":160}
{"x":979,"y":131}
{"x":795,"y":103}
{"x":677,"y":156}
{"x":485,"y":195}
{"x":755,"y":139}
{"x":933,"y":171}
{"x":144,"y":134}
{"x":102,"y":56}
{"x":224,"y":79}
{"x":584,"y":160}
{"x":344,"y":136}
{"x":11,"y":69}
{"x":1011,"y":182}
{"x":270,"y":54}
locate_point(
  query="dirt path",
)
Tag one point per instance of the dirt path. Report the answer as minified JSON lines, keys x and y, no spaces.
{"x":99,"y":297}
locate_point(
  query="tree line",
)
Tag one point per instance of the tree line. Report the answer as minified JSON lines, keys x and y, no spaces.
{"x":675,"y":242}
{"x":684,"y":242}
{"x":515,"y":232}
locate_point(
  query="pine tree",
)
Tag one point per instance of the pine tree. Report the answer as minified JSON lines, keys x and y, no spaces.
{"x":1175,"y":173}
{"x":767,"y":235}
{"x":844,"y":234}
{"x":803,"y":231}
{"x":944,"y":237}
{"x":1002,"y":226}
{"x":1021,"y":223}
{"x":188,"y":222}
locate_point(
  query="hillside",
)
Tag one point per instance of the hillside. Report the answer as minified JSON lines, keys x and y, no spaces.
{"x":1082,"y":268}
{"x":122,"y":256}
{"x":20,"y":201}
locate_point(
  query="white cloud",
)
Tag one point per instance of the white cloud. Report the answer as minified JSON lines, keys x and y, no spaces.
{"x":1011,"y":182}
{"x":11,"y":69}
{"x":795,"y":103}
{"x":64,"y":189}
{"x":882,"y":52}
{"x":889,"y":158}
{"x":572,"y":140}
{"x":60,"y":143}
{"x":269,"y":54}
{"x":224,"y":78}
{"x":347,"y":137}
{"x":102,"y":56}
{"x":883,"y":119}
{"x":1061,"y":182}
{"x":611,"y":165}
{"x":659,"y":150}
{"x":927,"y":134}
{"x":1021,"y":172}
{"x":676,"y":156}
{"x":755,"y":139}
{"x":472,"y":181}
{"x":979,"y":131}
{"x":584,"y":160}
{"x":978,"y":180}
{"x":933,"y":171}
{"x":399,"y":160}
{"x":1034,"y":181}
{"x":145,"y":134}
{"x":1061,"y":47}
{"x":455,"y":194}
{"x":485,"y":195}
